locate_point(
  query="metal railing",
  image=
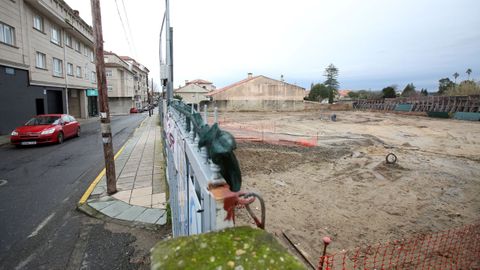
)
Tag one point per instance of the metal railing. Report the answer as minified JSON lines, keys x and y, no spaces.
{"x":191,"y":174}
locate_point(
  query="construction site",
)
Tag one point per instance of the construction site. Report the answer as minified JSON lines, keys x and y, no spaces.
{"x":326,"y":173}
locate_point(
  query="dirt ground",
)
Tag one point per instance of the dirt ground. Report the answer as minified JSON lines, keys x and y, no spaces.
{"x":343,"y":188}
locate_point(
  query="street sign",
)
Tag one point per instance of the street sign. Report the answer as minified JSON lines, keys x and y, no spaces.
{"x":92,"y":93}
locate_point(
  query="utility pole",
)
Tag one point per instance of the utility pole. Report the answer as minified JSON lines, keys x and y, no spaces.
{"x":169,"y":53}
{"x":103,"y":97}
{"x":151,"y":93}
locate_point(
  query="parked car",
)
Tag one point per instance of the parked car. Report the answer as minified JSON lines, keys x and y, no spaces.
{"x":46,"y":128}
{"x":133,"y":110}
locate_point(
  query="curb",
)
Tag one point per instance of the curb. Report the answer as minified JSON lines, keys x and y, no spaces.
{"x":149,"y":218}
{"x":92,"y":186}
{"x":92,"y":212}
{"x":4,"y":140}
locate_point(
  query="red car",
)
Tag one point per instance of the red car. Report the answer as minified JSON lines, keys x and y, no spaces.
{"x":46,"y":128}
{"x":133,"y":110}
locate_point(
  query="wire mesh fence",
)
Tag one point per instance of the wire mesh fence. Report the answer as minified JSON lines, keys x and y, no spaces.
{"x":453,"y":249}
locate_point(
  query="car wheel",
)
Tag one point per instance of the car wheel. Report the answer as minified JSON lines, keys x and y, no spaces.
{"x":78,"y":132}
{"x":60,"y":138}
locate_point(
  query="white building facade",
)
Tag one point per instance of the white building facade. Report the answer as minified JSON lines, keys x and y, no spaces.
{"x":46,"y":62}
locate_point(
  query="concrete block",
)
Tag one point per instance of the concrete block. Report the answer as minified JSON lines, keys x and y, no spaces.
{"x":132,"y":213}
{"x":126,"y":180}
{"x":163,"y":219}
{"x":141,"y":191}
{"x":145,"y":200}
{"x":123,"y":195}
{"x":115,"y":209}
{"x":150,"y":215}
{"x":99,"y":205}
{"x":145,"y":172}
{"x":158,"y":198}
{"x":143,"y":184}
{"x":98,"y":190}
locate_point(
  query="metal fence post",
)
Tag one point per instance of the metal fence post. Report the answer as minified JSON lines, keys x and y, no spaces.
{"x":203,"y":150}
{"x":326,"y":242}
{"x":205,"y":114}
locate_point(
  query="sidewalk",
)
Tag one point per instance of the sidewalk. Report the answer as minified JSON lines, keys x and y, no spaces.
{"x":141,"y":196}
{"x":4,"y":139}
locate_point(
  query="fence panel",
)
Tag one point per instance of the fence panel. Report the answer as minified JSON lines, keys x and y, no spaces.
{"x":453,"y":249}
{"x":191,"y":175}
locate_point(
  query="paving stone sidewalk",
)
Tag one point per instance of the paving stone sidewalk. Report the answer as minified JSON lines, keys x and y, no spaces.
{"x":141,"y":196}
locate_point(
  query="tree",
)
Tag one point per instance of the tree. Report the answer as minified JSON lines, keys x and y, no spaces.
{"x":409,"y":90}
{"x":469,"y":71}
{"x":444,"y":84}
{"x":455,"y":76}
{"x":367,"y":94}
{"x":330,"y":97}
{"x":389,"y":92}
{"x":465,"y":88}
{"x":331,"y":73}
{"x":424,"y":92}
{"x":318,"y":92}
{"x":177,"y":96}
{"x":352,"y":94}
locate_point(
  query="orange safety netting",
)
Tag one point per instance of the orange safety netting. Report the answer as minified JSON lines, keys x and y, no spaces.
{"x":457,"y":248}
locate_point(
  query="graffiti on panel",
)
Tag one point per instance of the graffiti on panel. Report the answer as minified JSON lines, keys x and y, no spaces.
{"x":194,"y":216}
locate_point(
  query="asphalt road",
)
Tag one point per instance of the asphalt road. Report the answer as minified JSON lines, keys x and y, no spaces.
{"x":39,"y":226}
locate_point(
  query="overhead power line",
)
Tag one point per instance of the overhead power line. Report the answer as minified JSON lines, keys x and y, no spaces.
{"x":128,"y":27}
{"x":125,"y":31}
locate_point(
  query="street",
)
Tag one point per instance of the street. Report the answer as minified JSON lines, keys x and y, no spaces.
{"x":39,"y":225}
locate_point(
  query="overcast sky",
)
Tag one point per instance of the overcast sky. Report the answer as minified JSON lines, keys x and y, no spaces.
{"x":373,"y":43}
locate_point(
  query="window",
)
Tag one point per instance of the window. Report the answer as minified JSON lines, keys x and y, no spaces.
{"x":40,"y":60}
{"x":70,"y":69}
{"x":85,"y":50}
{"x":65,"y":119}
{"x":87,"y":74}
{"x":91,"y":55}
{"x":94,"y":77}
{"x":57,"y":67}
{"x":77,"y":46}
{"x":9,"y":71}
{"x":7,"y":34}
{"x":108,"y":73}
{"x":68,"y":40}
{"x":110,"y":88}
{"x":79,"y":72}
{"x":56,"y":35}
{"x":38,"y":22}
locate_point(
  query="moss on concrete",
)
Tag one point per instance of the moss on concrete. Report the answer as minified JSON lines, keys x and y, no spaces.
{"x":233,"y":248}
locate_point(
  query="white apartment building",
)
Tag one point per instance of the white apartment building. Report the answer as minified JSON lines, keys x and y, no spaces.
{"x":46,"y":62}
{"x":120,"y":84}
{"x":141,"y":87}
